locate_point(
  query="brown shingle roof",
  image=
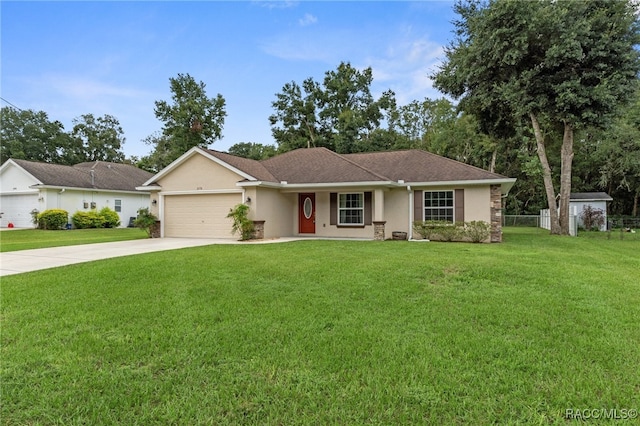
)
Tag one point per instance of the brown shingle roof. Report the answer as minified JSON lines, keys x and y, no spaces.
{"x":318,"y":165}
{"x":250,"y":167}
{"x":106,"y":176}
{"x":419,"y":166}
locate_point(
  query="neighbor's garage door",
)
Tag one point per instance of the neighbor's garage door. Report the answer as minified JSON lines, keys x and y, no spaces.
{"x":17,"y":209}
{"x":199,"y":216}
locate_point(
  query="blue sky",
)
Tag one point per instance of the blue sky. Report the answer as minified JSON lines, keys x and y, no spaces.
{"x":74,"y":58}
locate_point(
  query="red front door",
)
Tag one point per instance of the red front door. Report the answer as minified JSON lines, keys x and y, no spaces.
{"x":307,"y":213}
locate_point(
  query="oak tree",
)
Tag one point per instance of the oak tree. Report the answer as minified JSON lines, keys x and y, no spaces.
{"x":559,"y":65}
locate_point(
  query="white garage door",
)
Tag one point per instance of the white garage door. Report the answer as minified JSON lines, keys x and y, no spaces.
{"x":199,"y":216}
{"x":17,"y":210}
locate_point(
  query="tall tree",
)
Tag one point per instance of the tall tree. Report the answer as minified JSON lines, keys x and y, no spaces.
{"x":101,"y":138}
{"x":191,"y":119}
{"x":296,"y":112}
{"x":559,"y":65}
{"x":254,"y":151}
{"x":619,"y":153}
{"x":341,"y":113}
{"x":30,"y":135}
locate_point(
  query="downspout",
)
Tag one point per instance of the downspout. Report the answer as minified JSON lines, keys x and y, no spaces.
{"x":410,"y":212}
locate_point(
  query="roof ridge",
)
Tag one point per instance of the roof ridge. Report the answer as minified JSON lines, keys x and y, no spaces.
{"x":366,"y":169}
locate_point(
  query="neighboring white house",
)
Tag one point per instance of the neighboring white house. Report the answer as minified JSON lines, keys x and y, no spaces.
{"x":28,"y":185}
{"x":597,"y":200}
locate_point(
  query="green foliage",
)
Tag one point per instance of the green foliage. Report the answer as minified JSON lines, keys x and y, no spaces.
{"x":87,"y":219}
{"x":561,"y":65}
{"x":477,"y":231}
{"x":110,"y":217}
{"x":254,"y":151}
{"x":241,"y":223}
{"x":34,"y":217}
{"x":191,"y":119}
{"x":105,"y":218}
{"x":145,"y":220}
{"x":339,"y":114}
{"x":440,"y":230}
{"x":53,"y":219}
{"x":30,"y":135}
{"x":101,"y":138}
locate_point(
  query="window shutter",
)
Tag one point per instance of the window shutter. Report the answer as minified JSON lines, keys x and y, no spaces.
{"x":459,"y":203}
{"x":418,"y":206}
{"x":367,"y":208}
{"x":333,"y":208}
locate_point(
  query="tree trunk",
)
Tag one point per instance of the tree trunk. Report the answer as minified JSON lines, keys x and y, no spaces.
{"x":494,"y":157}
{"x":546,"y":176}
{"x":634,"y":212}
{"x":565,"y":178}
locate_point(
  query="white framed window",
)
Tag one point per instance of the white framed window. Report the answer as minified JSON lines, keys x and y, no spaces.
{"x":351,"y":208}
{"x":438,"y":205}
{"x":117,"y":204}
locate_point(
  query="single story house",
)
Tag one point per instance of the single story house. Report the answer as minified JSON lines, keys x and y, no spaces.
{"x":317,"y":192}
{"x":597,"y":200}
{"x":29,"y":185}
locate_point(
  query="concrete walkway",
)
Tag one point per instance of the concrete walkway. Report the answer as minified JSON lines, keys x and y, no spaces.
{"x":17,"y":262}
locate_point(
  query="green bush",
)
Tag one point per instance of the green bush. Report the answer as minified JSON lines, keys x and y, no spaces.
{"x":241,"y":223}
{"x":105,"y":218}
{"x":145,"y":220}
{"x":477,"y":230}
{"x":440,"y":230}
{"x":85,"y":220}
{"x":53,"y":219}
{"x":110,"y":218}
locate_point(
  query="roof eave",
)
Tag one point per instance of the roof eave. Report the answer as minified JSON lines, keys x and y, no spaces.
{"x":505,"y":183}
{"x":76,"y":188}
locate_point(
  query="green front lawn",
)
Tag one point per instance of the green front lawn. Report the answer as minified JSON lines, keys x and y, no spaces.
{"x":25,"y":239}
{"x":328,"y":332}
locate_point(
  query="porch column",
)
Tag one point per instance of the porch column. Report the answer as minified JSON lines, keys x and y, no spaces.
{"x":258,"y":230}
{"x":378,"y":205}
{"x":378,"y":230}
{"x":496,"y":214}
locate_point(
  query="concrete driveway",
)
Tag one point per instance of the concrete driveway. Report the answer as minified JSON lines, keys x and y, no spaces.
{"x":17,"y":262}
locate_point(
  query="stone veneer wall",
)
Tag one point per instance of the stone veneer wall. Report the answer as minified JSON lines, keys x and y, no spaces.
{"x":258,"y":230}
{"x":496,"y":214}
{"x":155,"y":230}
{"x":378,"y":230}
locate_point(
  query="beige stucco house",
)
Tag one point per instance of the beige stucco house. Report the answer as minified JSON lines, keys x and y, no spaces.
{"x":317,"y":192}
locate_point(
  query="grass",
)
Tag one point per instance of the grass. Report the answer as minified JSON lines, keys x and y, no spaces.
{"x":25,"y":239}
{"x":328,"y":332}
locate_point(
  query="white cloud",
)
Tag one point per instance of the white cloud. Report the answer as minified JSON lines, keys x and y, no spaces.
{"x":307,"y":19}
{"x":276,"y":4}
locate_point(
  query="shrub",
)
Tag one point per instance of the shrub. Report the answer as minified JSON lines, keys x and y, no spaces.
{"x":34,"y":217}
{"x":438,"y":230}
{"x":477,"y":230}
{"x":241,"y":223}
{"x":85,"y":220}
{"x":53,"y":219}
{"x":428,"y":229}
{"x":145,"y":220}
{"x":592,"y":219}
{"x":109,"y":217}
